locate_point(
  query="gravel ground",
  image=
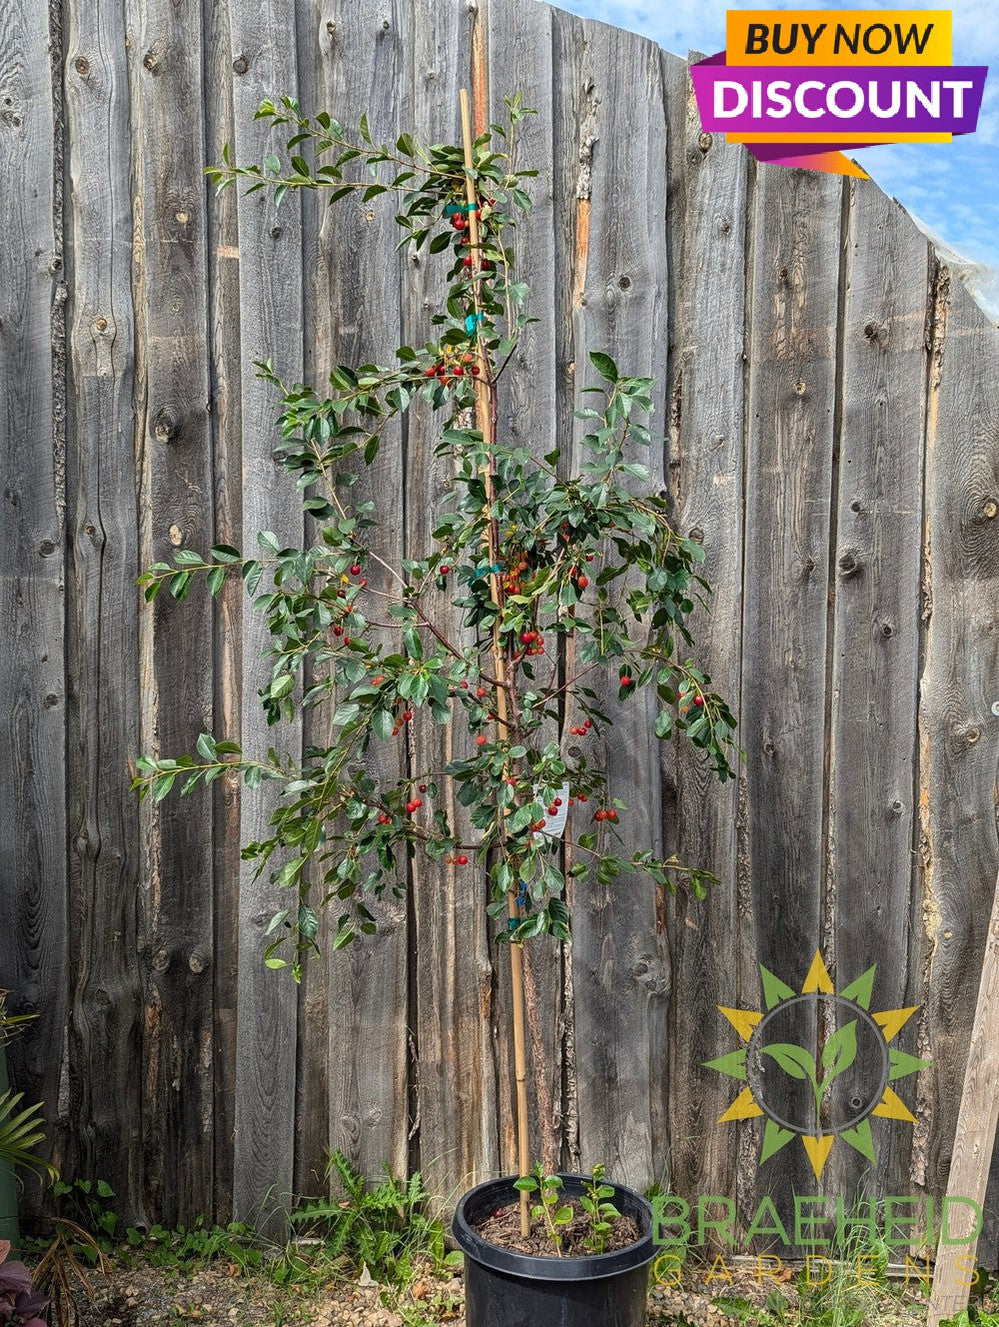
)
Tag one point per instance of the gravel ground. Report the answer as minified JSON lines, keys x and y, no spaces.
{"x":139,"y":1296}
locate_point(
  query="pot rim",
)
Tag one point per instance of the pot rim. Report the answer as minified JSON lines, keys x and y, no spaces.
{"x":535,"y":1267}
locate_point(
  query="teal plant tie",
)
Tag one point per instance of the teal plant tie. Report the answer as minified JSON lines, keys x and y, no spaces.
{"x":472,"y":321}
{"x":495,"y":569}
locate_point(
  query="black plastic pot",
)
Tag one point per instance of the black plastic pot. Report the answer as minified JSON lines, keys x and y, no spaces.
{"x":507,"y":1289}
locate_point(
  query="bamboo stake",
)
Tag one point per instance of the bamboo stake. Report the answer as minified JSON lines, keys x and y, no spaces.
{"x":484,"y":418}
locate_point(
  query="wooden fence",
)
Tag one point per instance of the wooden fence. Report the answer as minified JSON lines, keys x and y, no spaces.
{"x":830,"y":396}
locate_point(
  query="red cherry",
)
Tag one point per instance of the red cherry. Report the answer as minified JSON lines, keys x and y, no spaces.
{"x":423,"y":787}
{"x":626,"y":681}
{"x":346,"y":640}
{"x":459,"y":372}
{"x":363,"y":582}
{"x":377,"y":681}
{"x":481,"y":740}
{"x":459,"y":222}
{"x":541,"y":824}
{"x":589,"y":557}
{"x":582,"y":797}
{"x":444,"y":570}
{"x":600,"y":815}
{"x":475,"y":370}
{"x":698,"y":700}
{"x":588,"y":724}
{"x":462,"y":860}
{"x":583,"y":582}
{"x":432,"y":371}
{"x":612,"y":815}
{"x":410,"y":808}
{"x":417,"y":803}
{"x":355,"y":569}
{"x":467,"y":261}
{"x":480,"y":692}
{"x":407,"y":715}
{"x":338,"y":630}
{"x":383,"y":820}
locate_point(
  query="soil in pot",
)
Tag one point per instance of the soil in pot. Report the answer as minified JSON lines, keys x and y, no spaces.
{"x":502,"y":1227}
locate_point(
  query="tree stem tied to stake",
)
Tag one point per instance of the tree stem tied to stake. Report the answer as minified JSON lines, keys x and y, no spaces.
{"x":484,"y":391}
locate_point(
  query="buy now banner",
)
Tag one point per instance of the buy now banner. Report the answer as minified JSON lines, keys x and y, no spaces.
{"x":799,"y":86}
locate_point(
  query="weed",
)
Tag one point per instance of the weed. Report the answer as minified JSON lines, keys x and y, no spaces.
{"x":386,"y":1228}
{"x":87,"y":1203}
{"x":188,"y":1248}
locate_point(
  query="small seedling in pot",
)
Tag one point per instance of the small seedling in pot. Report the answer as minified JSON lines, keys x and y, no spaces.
{"x":601,"y":1212}
{"x":547,"y":1207}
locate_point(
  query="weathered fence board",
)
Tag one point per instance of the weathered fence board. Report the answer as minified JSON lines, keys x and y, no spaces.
{"x":33,"y":935}
{"x":358,"y":317}
{"x":832,"y":441}
{"x":794,"y":309}
{"x":515,"y":56}
{"x":173,"y":446}
{"x":270,"y":292}
{"x":105,"y":848}
{"x":706,"y":231}
{"x":620,"y":972}
{"x":226,"y":421}
{"x":958,"y":687}
{"x":875,"y":571}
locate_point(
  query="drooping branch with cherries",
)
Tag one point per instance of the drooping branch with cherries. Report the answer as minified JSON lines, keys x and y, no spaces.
{"x":557,"y":579}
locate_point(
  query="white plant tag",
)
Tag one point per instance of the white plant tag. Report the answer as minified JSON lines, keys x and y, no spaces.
{"x":555,"y":825}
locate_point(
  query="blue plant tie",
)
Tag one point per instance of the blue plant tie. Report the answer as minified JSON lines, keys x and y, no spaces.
{"x":486,"y":571}
{"x":471,"y":322}
{"x":512,"y":923}
{"x":452,"y":209}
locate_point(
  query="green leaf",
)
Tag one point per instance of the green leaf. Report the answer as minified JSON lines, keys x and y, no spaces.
{"x":281,"y":686}
{"x":794,"y":1060}
{"x":206,"y":746}
{"x":604,"y":365}
{"x":839,"y":1052}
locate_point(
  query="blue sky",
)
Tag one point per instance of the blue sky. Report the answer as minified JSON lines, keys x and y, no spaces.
{"x":952,"y":188}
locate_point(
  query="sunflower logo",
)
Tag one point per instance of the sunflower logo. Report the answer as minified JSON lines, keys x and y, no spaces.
{"x":822,"y":1094}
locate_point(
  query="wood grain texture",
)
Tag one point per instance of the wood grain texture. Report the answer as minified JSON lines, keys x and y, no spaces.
{"x":173,"y":444}
{"x":34,"y":944}
{"x":225,"y":418}
{"x":833,"y":435}
{"x":875,"y":648}
{"x":957,"y":689}
{"x":455,"y":1072}
{"x":105,"y":1087}
{"x":270,"y":292}
{"x":974,"y":1138}
{"x":790,"y":419}
{"x":513,"y":55}
{"x":706,"y":234}
{"x":358,"y":315}
{"x":608,"y":80}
